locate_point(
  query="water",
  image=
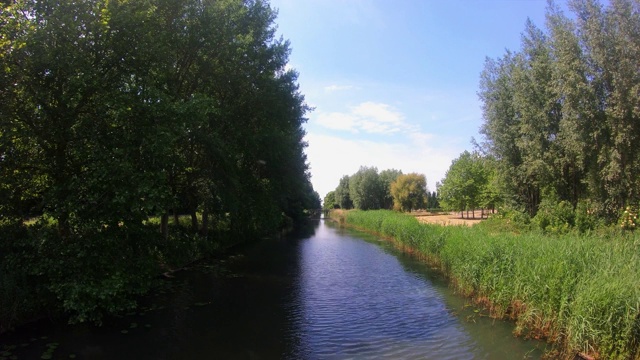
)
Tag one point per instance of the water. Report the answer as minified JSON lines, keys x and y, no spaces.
{"x":327,"y":294}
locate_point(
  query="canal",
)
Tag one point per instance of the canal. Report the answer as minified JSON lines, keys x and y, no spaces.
{"x":322,"y":293}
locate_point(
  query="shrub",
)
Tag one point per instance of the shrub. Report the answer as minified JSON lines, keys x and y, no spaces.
{"x":629,"y":219}
{"x":555,"y":217}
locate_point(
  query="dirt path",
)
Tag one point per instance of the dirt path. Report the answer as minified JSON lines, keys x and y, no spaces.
{"x":445,"y":219}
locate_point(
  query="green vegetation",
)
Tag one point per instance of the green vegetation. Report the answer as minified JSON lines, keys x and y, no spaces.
{"x":409,"y":192}
{"x":466,"y":184}
{"x":369,"y":190}
{"x":115,"y":115}
{"x":561,"y":115}
{"x":578,"y":291}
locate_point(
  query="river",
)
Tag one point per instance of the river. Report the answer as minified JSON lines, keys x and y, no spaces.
{"x":325,"y":293}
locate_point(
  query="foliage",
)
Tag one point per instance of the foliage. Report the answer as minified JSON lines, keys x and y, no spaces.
{"x":116,"y":112}
{"x":555,"y":216}
{"x":329,"y":201}
{"x":629,"y":219}
{"x":561,"y":115}
{"x":387,"y":177}
{"x":342,"y":196}
{"x":464,"y":183}
{"x":409,"y":192}
{"x":365,"y":189}
{"x":579,"y":292}
{"x":432,"y":200}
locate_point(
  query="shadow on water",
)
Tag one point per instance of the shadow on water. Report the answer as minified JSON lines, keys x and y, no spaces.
{"x":319,"y":292}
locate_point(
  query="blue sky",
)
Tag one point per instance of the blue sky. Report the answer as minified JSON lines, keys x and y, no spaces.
{"x":394,"y":82}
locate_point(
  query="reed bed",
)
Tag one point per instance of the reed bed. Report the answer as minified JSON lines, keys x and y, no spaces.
{"x":580,"y":292}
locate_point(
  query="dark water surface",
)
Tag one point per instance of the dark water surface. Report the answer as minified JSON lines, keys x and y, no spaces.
{"x":328,"y":293}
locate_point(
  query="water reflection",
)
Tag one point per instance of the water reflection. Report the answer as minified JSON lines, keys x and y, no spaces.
{"x":320,"y":293}
{"x":356,"y":300}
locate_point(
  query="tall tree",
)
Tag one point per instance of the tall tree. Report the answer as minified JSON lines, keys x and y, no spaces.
{"x":409,"y":192}
{"x":115,"y":111}
{"x":387,"y":177}
{"x":343,"y":198}
{"x":464,"y":183}
{"x":365,"y":189}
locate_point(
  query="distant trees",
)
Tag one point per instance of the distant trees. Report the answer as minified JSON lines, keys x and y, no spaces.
{"x":561,"y":115}
{"x":409,"y":192}
{"x":329,"y":201}
{"x":387,"y":177}
{"x":342,"y":196}
{"x":367,"y":190}
{"x":464,"y":183}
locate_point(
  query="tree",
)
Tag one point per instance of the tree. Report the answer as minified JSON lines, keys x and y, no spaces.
{"x":464,"y":182}
{"x":387,"y":177}
{"x":342,"y":197}
{"x":409,"y":192}
{"x":432,"y":200}
{"x":365,"y":189}
{"x":329,"y":201}
{"x":113,"y":112}
{"x":561,"y":115}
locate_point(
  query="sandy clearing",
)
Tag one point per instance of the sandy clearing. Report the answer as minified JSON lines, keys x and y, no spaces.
{"x":445,"y":219}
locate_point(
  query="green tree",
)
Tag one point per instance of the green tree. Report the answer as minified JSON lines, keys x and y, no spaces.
{"x":432,"y":200}
{"x":365,"y":189}
{"x":329,"y":201}
{"x":343,"y":198}
{"x":387,"y":177}
{"x":409,"y":192}
{"x":464,"y":182}
{"x":560,"y":115}
{"x":115,"y":111}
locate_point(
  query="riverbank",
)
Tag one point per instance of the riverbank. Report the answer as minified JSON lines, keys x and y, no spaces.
{"x":42,"y":277}
{"x":578,"y":292}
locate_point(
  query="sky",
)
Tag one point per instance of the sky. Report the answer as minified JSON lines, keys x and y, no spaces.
{"x":394,"y":83}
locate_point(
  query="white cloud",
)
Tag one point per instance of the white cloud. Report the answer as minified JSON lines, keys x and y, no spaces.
{"x":379,"y":112}
{"x":332,"y":157}
{"x":333,"y":88}
{"x":339,"y":121}
{"x":368,"y":117}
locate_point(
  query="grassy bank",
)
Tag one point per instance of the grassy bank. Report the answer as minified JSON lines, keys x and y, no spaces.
{"x":581,"y":292}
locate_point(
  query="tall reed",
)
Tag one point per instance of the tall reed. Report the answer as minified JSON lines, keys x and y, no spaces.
{"x":581,"y":292}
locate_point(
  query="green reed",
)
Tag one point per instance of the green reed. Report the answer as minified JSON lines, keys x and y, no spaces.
{"x":581,"y":292}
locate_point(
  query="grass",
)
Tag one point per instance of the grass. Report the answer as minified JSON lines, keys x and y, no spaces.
{"x":580,"y":292}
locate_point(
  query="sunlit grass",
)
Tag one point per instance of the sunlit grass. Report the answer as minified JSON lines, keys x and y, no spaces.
{"x":581,"y":292}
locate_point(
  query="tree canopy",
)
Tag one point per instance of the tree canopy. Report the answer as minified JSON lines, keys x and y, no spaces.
{"x":561,"y":115}
{"x":464,"y":183}
{"x":116,"y":112}
{"x":409,"y":192}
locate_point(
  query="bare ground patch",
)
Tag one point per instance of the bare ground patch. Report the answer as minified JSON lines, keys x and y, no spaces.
{"x":445,"y":219}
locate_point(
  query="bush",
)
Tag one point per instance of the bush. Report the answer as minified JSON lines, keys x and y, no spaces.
{"x":555,"y":217}
{"x":629,"y":219}
{"x":585,"y":218}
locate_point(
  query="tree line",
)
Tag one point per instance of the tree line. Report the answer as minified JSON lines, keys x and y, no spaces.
{"x":369,"y":189}
{"x":116,"y":113}
{"x":562,"y":115}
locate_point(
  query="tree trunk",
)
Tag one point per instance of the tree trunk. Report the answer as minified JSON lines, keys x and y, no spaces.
{"x":176,"y":218}
{"x":194,"y":220}
{"x":204,"y":230}
{"x":164,"y":225}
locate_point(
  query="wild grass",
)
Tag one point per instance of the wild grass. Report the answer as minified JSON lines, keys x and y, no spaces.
{"x":580,"y":292}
